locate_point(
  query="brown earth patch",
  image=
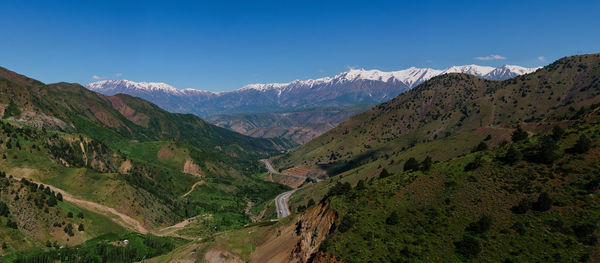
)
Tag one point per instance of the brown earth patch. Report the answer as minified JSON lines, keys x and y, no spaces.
{"x":165,"y":152}
{"x":41,"y":120}
{"x":300,"y":170}
{"x":269,"y":177}
{"x":65,"y":163}
{"x":189,"y":167}
{"x":129,"y":113}
{"x":125,"y":167}
{"x":216,"y":254}
{"x":291,"y":181}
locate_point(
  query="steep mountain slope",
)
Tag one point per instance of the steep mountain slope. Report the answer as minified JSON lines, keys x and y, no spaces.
{"x":451,"y":104}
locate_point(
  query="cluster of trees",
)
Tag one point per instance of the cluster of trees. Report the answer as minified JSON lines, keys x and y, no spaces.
{"x":53,"y":197}
{"x":149,"y":246}
{"x":546,"y":149}
{"x":338,"y":189}
{"x":310,"y":203}
{"x":469,"y":246}
{"x":413,"y":165}
{"x":543,"y":203}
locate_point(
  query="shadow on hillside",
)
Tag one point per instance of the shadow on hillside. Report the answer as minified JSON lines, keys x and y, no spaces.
{"x":351,"y":163}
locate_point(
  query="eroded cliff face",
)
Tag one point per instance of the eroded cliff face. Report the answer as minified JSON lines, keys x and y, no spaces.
{"x":298,"y":241}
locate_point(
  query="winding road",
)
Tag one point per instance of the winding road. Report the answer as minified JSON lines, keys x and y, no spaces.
{"x":281,"y":200}
{"x":281,"y":203}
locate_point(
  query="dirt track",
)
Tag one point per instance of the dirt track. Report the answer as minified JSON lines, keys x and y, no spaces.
{"x":193,"y":187}
{"x":114,"y":215}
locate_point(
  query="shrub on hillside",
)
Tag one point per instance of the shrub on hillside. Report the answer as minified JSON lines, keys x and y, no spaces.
{"x":346,"y":223}
{"x":393,"y":219}
{"x":411,"y":164}
{"x":481,"y":226}
{"x":11,"y":224}
{"x":476,"y":163}
{"x":512,"y":155}
{"x":384,"y":173}
{"x":69,"y":229}
{"x":544,"y":152}
{"x":519,"y":134}
{"x":51,"y":201}
{"x":582,"y":145}
{"x":522,"y":208}
{"x":338,"y":189}
{"x":469,"y":246}
{"x":585,"y":232}
{"x":4,"y":209}
{"x":426,"y":164}
{"x":360,"y":185}
{"x":543,"y":203}
{"x":557,"y":132}
{"x":482,"y":146}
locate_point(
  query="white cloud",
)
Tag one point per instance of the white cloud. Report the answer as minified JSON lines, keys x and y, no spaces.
{"x":491,"y":57}
{"x":97,"y":77}
{"x":118,"y":74}
{"x":540,"y":58}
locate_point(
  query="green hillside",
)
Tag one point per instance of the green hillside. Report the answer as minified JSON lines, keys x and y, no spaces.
{"x":138,"y":167}
{"x":485,"y":206}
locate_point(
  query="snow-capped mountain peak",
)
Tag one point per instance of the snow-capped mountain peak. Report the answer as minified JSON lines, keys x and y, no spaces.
{"x":507,"y":72}
{"x":475,"y":70}
{"x":104,"y":85}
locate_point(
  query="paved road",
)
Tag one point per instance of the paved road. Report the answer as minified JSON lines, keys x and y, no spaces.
{"x":281,"y":203}
{"x":281,"y":200}
{"x":273,"y":171}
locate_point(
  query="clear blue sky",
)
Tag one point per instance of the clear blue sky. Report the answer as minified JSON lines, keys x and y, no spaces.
{"x":225,"y":45}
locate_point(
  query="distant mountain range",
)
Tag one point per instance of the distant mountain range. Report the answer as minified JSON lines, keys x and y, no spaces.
{"x":356,"y":86}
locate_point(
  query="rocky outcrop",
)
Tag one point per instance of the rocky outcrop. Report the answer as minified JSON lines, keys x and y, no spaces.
{"x":298,"y":241}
